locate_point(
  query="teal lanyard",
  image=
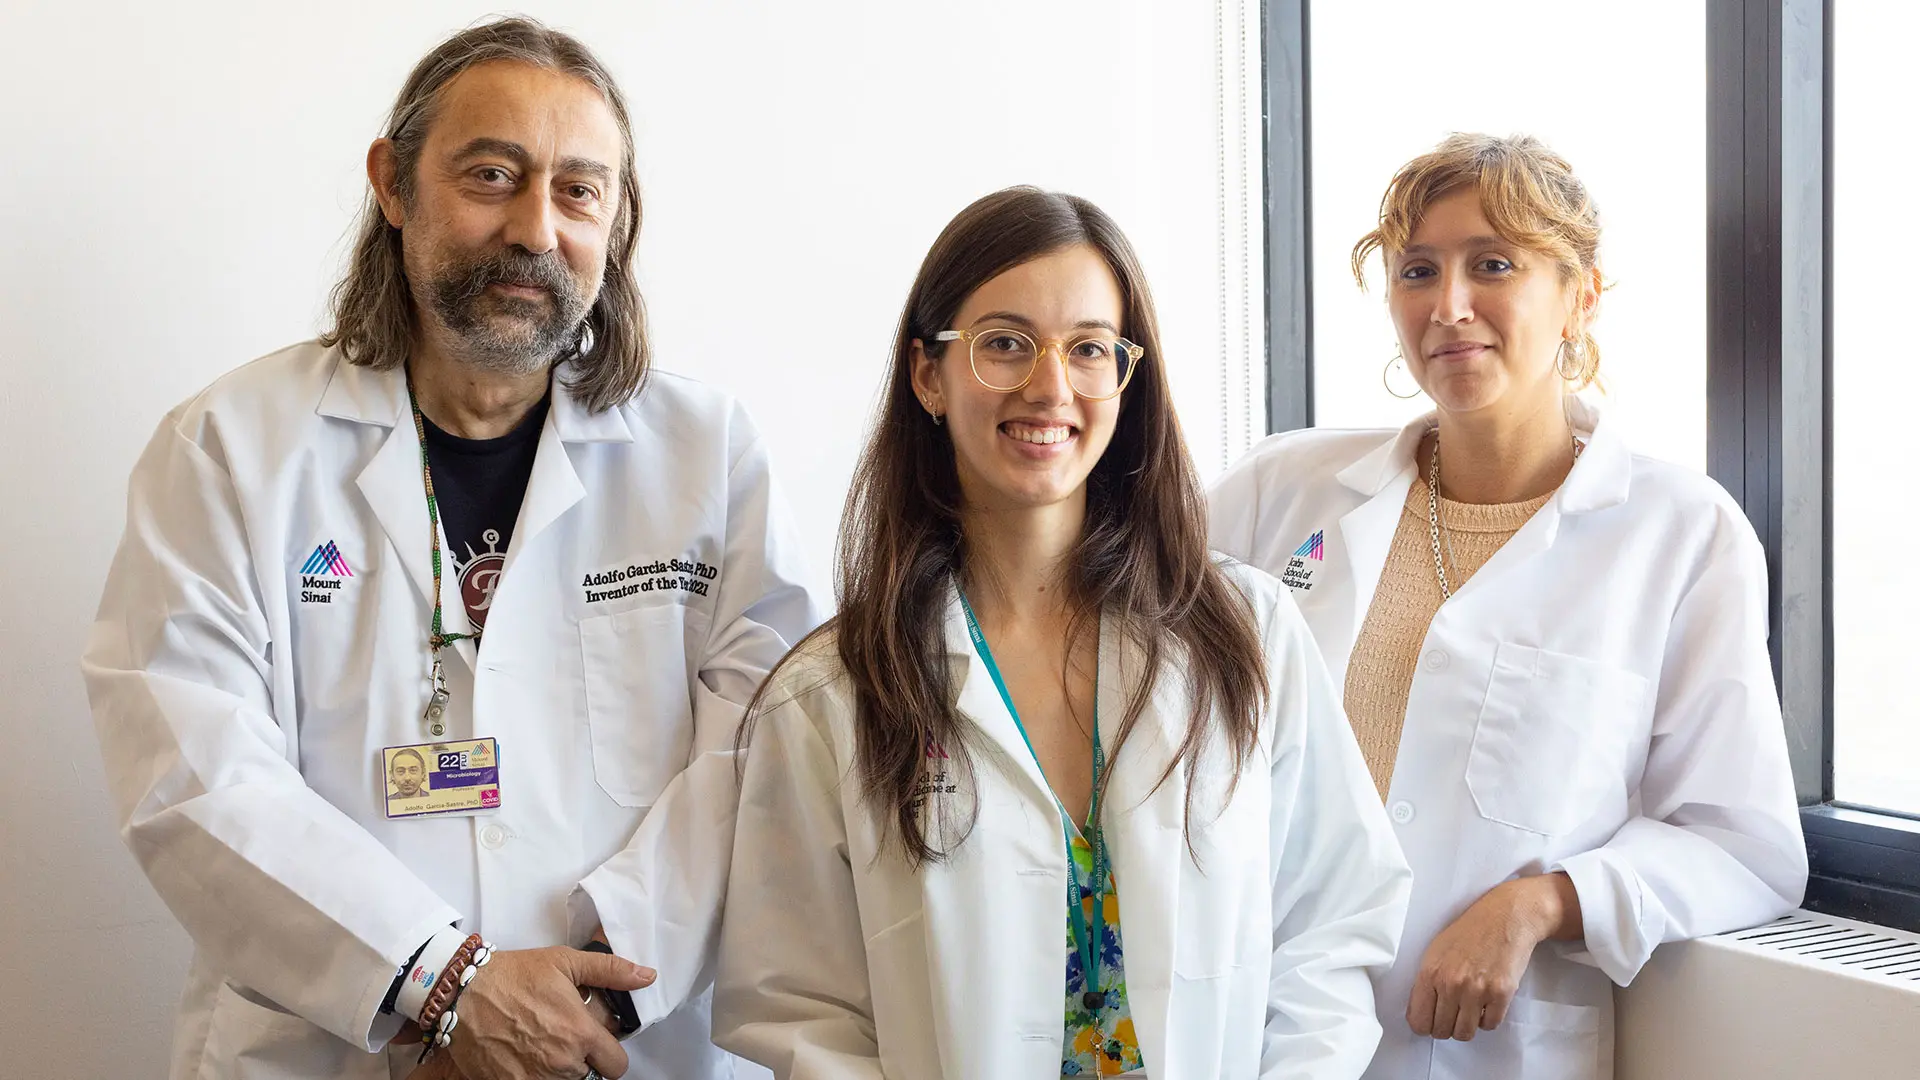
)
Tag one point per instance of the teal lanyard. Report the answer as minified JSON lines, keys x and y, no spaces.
{"x":1086,"y":939}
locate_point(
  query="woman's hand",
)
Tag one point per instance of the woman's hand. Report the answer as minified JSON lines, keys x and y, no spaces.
{"x":1470,"y":972}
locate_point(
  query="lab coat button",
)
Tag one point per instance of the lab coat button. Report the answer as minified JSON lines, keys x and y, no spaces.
{"x":493,"y":837}
{"x":1402,"y":812}
{"x":1437,"y":660}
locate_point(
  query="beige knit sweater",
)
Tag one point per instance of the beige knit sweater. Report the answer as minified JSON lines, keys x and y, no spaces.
{"x":1387,"y":650}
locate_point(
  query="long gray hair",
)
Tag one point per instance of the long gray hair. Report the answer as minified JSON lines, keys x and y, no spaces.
{"x":373,"y":310}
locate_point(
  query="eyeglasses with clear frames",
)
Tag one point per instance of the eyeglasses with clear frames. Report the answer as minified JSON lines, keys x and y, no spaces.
{"x":1098,"y":366}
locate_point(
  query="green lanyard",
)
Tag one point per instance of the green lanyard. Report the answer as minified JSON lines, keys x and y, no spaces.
{"x":1085,"y":939}
{"x":436,"y":714}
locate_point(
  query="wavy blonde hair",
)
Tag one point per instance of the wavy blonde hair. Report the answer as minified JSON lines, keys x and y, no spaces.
{"x":1529,"y":194}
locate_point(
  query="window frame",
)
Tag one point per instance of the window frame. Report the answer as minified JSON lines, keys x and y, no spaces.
{"x":1769,"y":91}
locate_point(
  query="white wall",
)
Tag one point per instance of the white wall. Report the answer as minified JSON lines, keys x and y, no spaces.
{"x":175,"y":181}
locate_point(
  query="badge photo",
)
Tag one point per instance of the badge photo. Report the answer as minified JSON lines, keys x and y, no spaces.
{"x":437,"y":779}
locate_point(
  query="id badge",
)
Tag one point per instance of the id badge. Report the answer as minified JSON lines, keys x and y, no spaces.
{"x":433,"y":779}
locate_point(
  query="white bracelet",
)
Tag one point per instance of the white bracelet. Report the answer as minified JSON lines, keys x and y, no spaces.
{"x":432,"y":960}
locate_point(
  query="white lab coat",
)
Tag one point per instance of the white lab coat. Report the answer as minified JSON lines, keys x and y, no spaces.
{"x":1597,"y":699}
{"x":241,"y":718}
{"x":837,"y":961}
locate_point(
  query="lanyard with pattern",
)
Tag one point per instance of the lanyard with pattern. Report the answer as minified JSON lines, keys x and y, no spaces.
{"x":1086,"y":938}
{"x":435,"y":716}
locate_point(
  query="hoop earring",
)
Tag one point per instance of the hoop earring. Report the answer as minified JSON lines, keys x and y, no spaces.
{"x":1575,"y":351}
{"x":1386,"y":381}
{"x":585,"y":345}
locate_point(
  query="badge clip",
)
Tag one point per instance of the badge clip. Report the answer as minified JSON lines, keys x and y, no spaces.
{"x":436,"y":714}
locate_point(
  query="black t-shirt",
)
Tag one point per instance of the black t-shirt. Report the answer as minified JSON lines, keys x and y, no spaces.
{"x":478,"y":485}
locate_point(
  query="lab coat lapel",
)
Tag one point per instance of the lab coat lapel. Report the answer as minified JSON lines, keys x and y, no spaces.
{"x":1366,"y":532}
{"x":1144,"y":820}
{"x":391,"y":481}
{"x":979,"y":701}
{"x":999,"y":975}
{"x":1535,"y":537}
{"x":1599,"y":479}
{"x":555,"y":486}
{"x":396,"y":491}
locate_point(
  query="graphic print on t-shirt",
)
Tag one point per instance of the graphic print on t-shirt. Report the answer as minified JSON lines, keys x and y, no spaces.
{"x":479,"y":575}
{"x":478,"y":486}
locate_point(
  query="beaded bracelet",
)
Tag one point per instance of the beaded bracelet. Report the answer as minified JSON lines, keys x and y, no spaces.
{"x":439,"y":1018}
{"x":444,"y":985}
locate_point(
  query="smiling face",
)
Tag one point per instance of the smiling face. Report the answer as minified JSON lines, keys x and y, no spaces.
{"x":1480,"y":319}
{"x":1037,"y":445}
{"x":510,"y":213}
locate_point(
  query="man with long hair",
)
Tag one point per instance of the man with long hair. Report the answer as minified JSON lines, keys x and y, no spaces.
{"x":467,"y":527}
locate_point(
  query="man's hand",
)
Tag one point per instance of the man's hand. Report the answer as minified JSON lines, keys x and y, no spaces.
{"x":522,"y":1018}
{"x":438,"y":1067}
{"x":598,"y":1006}
{"x":1472,"y":969}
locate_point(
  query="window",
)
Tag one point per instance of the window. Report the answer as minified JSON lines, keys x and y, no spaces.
{"x":1749,"y":158}
{"x":1391,"y":78}
{"x":1876,"y":579}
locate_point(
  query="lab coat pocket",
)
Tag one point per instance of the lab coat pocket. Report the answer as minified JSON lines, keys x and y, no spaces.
{"x":1555,"y":1039}
{"x":1550,"y":738}
{"x":639,"y":699}
{"x":248,"y":1039}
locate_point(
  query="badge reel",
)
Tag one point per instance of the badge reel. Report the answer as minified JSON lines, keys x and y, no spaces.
{"x":441,"y":778}
{"x":436,"y":714}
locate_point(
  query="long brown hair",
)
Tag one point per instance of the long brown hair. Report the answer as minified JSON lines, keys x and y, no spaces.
{"x":373,"y":313}
{"x":1142,"y":559}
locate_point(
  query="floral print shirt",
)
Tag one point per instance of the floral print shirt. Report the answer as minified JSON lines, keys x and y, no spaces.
{"x":1098,"y":1042}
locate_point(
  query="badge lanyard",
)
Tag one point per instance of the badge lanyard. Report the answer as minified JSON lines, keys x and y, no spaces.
{"x":1085,"y":939}
{"x":435,"y":716}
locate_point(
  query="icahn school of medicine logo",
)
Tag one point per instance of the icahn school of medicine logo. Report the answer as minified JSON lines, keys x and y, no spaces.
{"x":1299,"y":571}
{"x":323,"y":574}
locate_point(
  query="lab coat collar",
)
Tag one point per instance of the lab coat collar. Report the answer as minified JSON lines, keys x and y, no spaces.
{"x":978,"y":699}
{"x":1386,"y":462}
{"x":391,"y":481}
{"x":1121,"y":666}
{"x":1599,"y":479}
{"x":1605,"y":470}
{"x":365,"y":395}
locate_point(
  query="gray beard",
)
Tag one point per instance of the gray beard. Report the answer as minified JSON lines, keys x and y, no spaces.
{"x":479,"y":345}
{"x":547,"y":332}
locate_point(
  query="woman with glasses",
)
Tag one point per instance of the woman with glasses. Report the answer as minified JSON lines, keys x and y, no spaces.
{"x":1055,"y":793}
{"x":1553,"y":651}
